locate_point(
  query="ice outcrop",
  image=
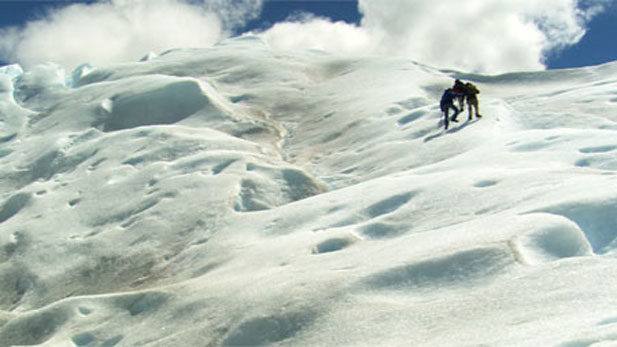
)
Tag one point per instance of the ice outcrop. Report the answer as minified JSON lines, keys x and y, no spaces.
{"x":163,"y":102}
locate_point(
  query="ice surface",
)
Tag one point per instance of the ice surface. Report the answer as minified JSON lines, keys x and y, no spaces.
{"x":245,"y":196}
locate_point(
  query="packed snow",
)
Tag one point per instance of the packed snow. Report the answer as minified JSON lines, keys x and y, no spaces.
{"x":244,"y":196}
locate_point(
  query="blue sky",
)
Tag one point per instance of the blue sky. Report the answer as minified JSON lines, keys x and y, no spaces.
{"x":277,"y":11}
{"x":598,"y":45}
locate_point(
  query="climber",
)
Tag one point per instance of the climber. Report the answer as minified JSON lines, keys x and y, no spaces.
{"x":471,"y":95}
{"x":447,"y":103}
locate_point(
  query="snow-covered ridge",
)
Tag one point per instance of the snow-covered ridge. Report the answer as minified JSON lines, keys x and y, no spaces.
{"x":239,"y":195}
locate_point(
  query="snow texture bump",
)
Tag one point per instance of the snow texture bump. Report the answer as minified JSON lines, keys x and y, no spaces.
{"x":596,"y":219}
{"x":460,"y":270}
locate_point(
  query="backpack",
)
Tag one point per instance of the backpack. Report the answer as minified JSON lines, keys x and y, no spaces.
{"x":471,"y":89}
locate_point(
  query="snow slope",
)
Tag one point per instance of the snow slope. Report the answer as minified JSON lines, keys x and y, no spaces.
{"x":243,"y":196}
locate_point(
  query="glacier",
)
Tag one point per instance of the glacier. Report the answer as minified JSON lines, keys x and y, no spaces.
{"x":241,"y":195}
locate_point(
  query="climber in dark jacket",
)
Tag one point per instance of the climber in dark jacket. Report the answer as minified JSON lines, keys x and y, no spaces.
{"x":447,"y":103}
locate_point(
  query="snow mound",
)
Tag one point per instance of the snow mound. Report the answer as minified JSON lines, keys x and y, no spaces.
{"x":558,"y":239}
{"x":265,"y":187}
{"x":596,"y":219}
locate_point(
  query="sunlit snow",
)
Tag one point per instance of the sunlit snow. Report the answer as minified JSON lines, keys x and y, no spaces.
{"x":245,"y":196}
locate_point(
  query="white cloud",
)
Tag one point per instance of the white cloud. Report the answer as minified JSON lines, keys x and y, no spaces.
{"x":474,"y":35}
{"x":121,"y":30}
{"x":319,"y":33}
{"x":494,"y":35}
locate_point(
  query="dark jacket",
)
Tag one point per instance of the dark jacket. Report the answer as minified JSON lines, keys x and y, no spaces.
{"x":448,"y":97}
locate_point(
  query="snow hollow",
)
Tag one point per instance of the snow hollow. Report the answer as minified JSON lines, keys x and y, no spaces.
{"x":244,"y":196}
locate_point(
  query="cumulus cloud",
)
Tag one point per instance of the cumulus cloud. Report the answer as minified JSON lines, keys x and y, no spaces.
{"x":474,"y":35}
{"x":319,"y":33}
{"x":122,"y":30}
{"x":494,"y":35}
